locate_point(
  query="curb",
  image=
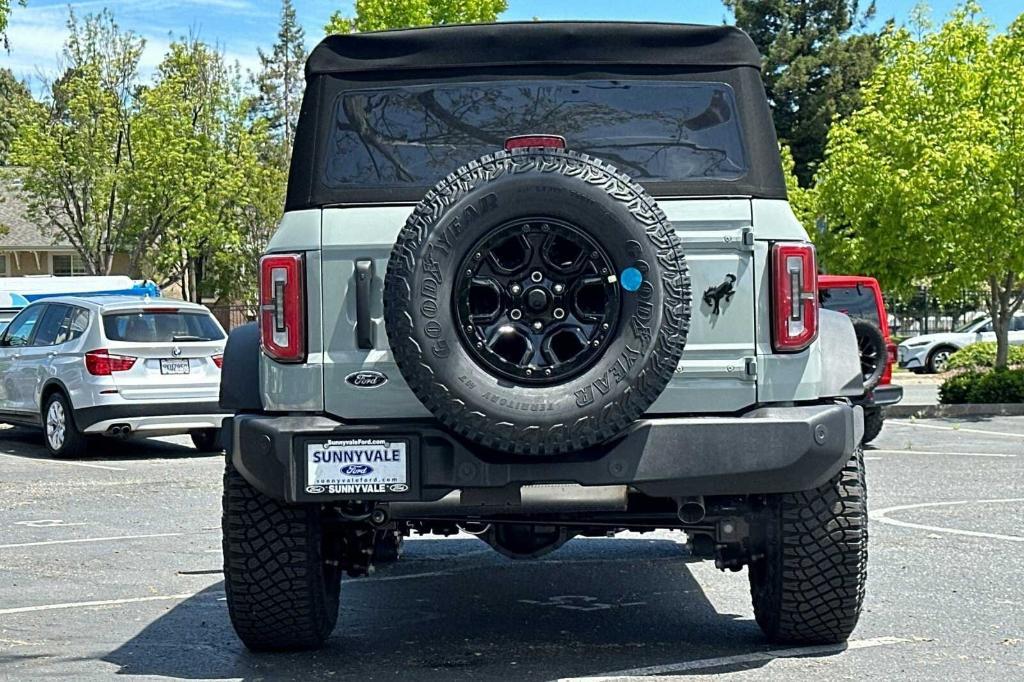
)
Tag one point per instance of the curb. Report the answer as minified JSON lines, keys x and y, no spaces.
{"x":968,"y":410}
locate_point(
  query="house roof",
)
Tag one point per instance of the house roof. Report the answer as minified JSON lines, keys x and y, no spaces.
{"x":22,"y":234}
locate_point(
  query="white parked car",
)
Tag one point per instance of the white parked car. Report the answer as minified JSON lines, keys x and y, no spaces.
{"x":930,"y":352}
{"x":112,"y":365}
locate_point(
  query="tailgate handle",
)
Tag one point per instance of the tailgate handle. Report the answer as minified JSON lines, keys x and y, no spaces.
{"x":364,"y":325}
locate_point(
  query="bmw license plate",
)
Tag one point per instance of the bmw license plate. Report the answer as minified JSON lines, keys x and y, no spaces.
{"x":357,"y":466}
{"x":174,"y":366}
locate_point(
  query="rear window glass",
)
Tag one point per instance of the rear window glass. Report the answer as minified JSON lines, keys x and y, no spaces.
{"x":857,"y":302}
{"x":656,"y":131}
{"x":157,"y":327}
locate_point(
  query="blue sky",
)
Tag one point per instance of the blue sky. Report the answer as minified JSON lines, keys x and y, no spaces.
{"x":239,"y":26}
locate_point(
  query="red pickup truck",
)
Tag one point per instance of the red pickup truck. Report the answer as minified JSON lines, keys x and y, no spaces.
{"x":861,"y":299}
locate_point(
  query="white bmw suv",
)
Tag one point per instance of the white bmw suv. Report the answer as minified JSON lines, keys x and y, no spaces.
{"x":112,"y":365}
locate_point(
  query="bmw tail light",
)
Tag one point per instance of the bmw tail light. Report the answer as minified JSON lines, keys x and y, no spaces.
{"x":219,"y":361}
{"x":101,"y":363}
{"x":282,"y":307}
{"x":794,"y":297}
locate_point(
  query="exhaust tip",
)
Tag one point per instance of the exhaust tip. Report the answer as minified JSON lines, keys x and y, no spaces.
{"x":691,"y":510}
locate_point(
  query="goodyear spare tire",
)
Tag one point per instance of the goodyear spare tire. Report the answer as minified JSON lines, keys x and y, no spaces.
{"x":537,"y":301}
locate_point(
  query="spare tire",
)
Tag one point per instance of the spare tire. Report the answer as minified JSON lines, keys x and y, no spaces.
{"x":537,"y":301}
{"x":874,"y":355}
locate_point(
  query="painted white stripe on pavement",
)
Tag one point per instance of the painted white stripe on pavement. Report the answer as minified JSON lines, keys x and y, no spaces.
{"x":81,"y":540}
{"x":936,"y":452}
{"x":880,"y":515}
{"x":86,"y":604}
{"x":955,"y":428}
{"x":739,"y":659}
{"x":42,"y":460}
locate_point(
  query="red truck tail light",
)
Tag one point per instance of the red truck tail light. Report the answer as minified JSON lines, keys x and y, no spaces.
{"x":794,"y":297}
{"x":282,"y":307}
{"x":101,"y":363}
{"x":531,"y":141}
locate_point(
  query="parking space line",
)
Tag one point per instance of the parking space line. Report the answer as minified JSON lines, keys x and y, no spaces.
{"x":936,"y":452}
{"x":955,"y":428}
{"x":881,"y":515}
{"x":62,"y":461}
{"x":83,"y":540}
{"x":102,"y":602}
{"x":739,"y":659}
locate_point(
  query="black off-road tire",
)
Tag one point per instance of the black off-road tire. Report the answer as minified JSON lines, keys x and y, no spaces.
{"x":282,"y":594}
{"x":874,"y":417}
{"x":809,"y":585}
{"x":206,"y":440}
{"x":638,"y":357}
{"x":874,"y":355}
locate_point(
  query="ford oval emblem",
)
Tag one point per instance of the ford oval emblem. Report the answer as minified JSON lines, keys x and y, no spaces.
{"x":314,"y":489}
{"x":367,"y":378}
{"x":356,"y":470}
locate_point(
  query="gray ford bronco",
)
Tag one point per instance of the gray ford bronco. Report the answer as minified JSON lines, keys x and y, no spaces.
{"x":537,"y":281}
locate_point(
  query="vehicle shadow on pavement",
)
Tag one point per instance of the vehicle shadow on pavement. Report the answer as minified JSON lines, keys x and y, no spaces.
{"x":27,"y":442}
{"x":453,"y":609}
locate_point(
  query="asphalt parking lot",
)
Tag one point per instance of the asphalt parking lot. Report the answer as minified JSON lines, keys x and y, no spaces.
{"x":111,"y":566}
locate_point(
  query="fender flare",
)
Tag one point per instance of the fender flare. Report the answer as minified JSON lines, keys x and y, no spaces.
{"x":240,"y":375}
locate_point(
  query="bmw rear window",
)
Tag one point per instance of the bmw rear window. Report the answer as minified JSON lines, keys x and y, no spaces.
{"x":655,"y":131}
{"x":161,"y":327}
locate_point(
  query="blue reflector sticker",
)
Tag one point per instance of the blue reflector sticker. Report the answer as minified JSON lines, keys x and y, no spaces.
{"x":631,"y":279}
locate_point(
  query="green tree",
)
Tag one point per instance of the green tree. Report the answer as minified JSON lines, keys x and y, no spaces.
{"x":199,"y":177}
{"x":5,"y":12}
{"x":814,"y":61}
{"x":281,"y":80}
{"x":377,"y":15}
{"x":925,"y":183}
{"x":14,"y":98}
{"x":73,"y":150}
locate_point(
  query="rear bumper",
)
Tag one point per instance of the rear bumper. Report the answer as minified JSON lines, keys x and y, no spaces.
{"x":888,"y":394}
{"x":766,"y":450}
{"x":151,"y":418}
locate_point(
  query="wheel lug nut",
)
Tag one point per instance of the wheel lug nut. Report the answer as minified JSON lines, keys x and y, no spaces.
{"x":469,"y":328}
{"x":479,"y":344}
{"x":515,"y":289}
{"x":538,"y":325}
{"x":537,"y":276}
{"x":529,"y":372}
{"x":477,"y":256}
{"x":596,"y":343}
{"x":559,"y":313}
{"x":516,"y":313}
{"x":559,"y":288}
{"x":547,"y":372}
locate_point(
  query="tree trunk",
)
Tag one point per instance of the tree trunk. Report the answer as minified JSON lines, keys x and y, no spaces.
{"x":1000,"y":308}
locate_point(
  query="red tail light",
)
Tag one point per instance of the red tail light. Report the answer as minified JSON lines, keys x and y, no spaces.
{"x":794,"y":297}
{"x":282,"y":307}
{"x":526,"y":141}
{"x":102,"y":364}
{"x":219,"y":361}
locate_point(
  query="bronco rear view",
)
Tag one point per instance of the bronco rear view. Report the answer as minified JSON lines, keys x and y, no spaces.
{"x":537,"y":281}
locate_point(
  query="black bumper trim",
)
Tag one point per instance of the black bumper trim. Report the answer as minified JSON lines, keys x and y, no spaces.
{"x":889,"y":394}
{"x":87,"y":416}
{"x":766,"y":450}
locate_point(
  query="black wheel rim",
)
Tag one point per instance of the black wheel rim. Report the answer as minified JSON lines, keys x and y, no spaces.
{"x":870,"y":357}
{"x":536,"y":301}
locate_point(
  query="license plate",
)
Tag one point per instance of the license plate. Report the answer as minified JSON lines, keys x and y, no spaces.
{"x":357,"y":466}
{"x":174,"y":367}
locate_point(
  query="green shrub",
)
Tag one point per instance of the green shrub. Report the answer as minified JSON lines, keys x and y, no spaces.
{"x":982,"y":355}
{"x":997,"y":386}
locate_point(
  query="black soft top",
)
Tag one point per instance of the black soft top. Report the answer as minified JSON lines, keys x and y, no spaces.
{"x":561,"y":50}
{"x":534,"y":42}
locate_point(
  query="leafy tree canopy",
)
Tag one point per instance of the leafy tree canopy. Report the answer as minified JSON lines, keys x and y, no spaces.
{"x":281,"y":81}
{"x":815,"y":59}
{"x":925,"y":183}
{"x":14,"y":97}
{"x":377,"y":15}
